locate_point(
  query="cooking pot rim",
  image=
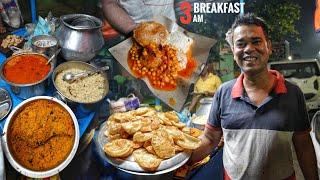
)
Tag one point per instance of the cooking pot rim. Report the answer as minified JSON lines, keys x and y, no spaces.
{"x":27,"y":84}
{"x":97,"y":21}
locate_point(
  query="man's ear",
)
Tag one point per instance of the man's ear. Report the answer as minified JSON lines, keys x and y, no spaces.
{"x":269,"y":45}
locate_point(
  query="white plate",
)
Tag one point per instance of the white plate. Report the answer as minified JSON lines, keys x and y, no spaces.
{"x":130,"y":166}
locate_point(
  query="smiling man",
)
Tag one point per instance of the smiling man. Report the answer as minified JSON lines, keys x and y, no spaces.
{"x":260,"y":115}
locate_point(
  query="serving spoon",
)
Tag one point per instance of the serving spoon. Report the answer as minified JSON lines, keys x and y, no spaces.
{"x":53,"y":56}
{"x":71,"y":77}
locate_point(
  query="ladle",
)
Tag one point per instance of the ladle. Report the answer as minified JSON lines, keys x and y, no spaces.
{"x":53,"y":56}
{"x":71,"y":77}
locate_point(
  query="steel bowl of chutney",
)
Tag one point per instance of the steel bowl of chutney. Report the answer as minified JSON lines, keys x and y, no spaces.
{"x":27,"y":74}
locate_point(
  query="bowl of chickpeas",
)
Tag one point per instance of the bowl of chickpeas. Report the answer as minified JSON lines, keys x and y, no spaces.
{"x":158,"y":63}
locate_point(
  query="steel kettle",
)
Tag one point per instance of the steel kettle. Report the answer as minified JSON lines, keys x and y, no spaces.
{"x":79,"y":36}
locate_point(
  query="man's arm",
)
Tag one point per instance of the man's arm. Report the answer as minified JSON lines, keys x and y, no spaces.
{"x":209,"y":140}
{"x":117,"y":16}
{"x":195,"y":99}
{"x":306,"y":155}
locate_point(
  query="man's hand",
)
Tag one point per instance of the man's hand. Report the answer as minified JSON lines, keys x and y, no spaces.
{"x":209,"y":140}
{"x":117,"y":17}
{"x":306,"y":155}
{"x":209,"y":94}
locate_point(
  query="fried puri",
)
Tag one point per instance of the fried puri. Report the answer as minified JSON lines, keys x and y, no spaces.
{"x":132,"y":127}
{"x":142,"y":137}
{"x":146,"y":160}
{"x":119,"y":148}
{"x":163,"y":144}
{"x":149,"y":136}
{"x":189,"y":142}
{"x":172,"y":116}
{"x":150,"y":32}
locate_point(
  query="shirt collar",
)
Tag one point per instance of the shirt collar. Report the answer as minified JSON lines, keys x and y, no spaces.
{"x":280,"y":87}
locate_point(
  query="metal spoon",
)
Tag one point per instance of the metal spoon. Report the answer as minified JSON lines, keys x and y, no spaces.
{"x":53,"y":56}
{"x":70,"y":77}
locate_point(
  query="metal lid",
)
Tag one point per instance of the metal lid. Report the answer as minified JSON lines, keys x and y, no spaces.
{"x":5,"y":103}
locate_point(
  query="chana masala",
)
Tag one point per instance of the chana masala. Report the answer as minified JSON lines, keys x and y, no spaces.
{"x":41,"y":135}
{"x":159,"y":63}
{"x":26,"y":69}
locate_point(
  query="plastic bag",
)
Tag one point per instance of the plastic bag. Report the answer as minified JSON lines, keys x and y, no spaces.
{"x":124,"y":104}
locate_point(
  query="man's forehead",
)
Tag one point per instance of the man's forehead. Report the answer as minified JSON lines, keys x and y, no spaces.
{"x":247,"y":31}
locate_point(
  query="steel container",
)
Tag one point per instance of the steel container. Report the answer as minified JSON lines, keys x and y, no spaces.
{"x":203,"y":111}
{"x":81,"y":109}
{"x":26,"y":91}
{"x":32,"y":173}
{"x":79,"y":36}
{"x":205,"y":106}
{"x":45,"y":44}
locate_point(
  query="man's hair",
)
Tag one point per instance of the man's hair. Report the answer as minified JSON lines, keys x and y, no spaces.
{"x":246,"y":19}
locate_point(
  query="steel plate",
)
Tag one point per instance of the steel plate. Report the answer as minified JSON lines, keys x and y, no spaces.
{"x":130,"y":166}
{"x":5,"y":103}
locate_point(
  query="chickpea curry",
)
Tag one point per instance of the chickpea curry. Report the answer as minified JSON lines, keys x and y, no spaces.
{"x":159,"y":63}
{"x":160,"y":56}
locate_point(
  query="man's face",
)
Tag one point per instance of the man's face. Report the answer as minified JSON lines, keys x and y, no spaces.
{"x":251,"y":49}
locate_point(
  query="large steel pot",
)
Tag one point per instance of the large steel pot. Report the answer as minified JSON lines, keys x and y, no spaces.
{"x":79,"y":36}
{"x":79,"y":108}
{"x":26,"y":91}
{"x":25,"y":171}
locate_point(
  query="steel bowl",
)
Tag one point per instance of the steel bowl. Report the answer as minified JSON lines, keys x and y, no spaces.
{"x":32,"y":173}
{"x":45,"y":44}
{"x":79,"y":108}
{"x":26,"y":91}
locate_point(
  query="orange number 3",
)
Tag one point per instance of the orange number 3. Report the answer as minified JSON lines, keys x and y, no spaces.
{"x":185,"y":7}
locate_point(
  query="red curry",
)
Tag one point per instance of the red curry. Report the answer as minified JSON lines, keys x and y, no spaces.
{"x":26,"y":69}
